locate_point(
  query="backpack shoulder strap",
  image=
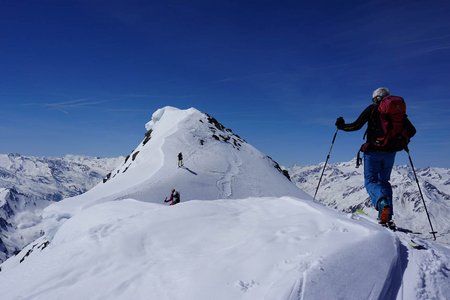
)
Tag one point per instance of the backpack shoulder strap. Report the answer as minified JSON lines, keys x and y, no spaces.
{"x":371,"y":117}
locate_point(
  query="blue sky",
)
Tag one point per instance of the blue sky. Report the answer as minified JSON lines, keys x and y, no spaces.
{"x":83,"y":77}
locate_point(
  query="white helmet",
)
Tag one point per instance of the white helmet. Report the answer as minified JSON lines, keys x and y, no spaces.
{"x":380,"y":93}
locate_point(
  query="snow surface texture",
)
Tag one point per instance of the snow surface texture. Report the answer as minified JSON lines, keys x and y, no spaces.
{"x":28,"y":184}
{"x":256,"y":248}
{"x":342,"y":188}
{"x":118,"y":241}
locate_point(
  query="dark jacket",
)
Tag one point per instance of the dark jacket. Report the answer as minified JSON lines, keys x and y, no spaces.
{"x":371,"y":116}
{"x":174,"y":198}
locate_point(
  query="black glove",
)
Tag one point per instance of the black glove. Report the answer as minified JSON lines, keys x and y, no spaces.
{"x":340,"y":123}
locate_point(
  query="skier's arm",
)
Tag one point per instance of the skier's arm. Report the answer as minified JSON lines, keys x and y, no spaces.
{"x":359,"y":123}
{"x":170,"y":198}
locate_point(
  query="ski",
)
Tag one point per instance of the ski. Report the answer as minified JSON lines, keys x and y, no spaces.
{"x":407,"y":236}
{"x":405,"y":230}
{"x":413,"y":244}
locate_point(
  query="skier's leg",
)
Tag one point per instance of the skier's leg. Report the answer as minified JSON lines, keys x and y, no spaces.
{"x":372,"y":168}
{"x":387,"y":164}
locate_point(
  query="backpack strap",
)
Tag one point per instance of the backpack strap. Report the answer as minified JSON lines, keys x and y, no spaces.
{"x":364,"y":148}
{"x":358,"y":159}
{"x":371,"y":120}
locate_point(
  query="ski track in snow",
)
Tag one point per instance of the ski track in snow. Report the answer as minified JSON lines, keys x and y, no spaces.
{"x":423,"y":270}
{"x":225,"y":183}
{"x":433,"y":268}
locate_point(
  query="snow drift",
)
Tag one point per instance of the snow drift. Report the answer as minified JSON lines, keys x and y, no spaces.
{"x":257,"y":248}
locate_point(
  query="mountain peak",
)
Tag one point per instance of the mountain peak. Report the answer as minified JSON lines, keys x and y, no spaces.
{"x":171,"y":113}
{"x":218,"y":164}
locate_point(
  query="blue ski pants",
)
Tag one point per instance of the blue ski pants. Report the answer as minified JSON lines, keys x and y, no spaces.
{"x":377,"y":173}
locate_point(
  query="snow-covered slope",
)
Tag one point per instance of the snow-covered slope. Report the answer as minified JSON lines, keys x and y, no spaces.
{"x":241,"y":231}
{"x":342,"y":188}
{"x":254,"y":248}
{"x":218,"y":164}
{"x":28,"y":184}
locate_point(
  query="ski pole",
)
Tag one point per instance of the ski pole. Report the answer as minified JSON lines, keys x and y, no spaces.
{"x":328,"y":157}
{"x":421,"y":195}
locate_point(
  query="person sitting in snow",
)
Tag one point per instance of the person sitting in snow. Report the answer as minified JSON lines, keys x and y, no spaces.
{"x":180,"y":160}
{"x":174,"y":197}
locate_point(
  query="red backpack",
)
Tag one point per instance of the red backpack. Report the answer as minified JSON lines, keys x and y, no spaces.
{"x":393,"y":134}
{"x":395,"y":137}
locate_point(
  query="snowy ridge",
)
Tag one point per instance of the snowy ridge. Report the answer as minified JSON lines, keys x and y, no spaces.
{"x":266,"y":240}
{"x":255,"y":248}
{"x":213,"y":167}
{"x":342,"y":188}
{"x":269,"y":248}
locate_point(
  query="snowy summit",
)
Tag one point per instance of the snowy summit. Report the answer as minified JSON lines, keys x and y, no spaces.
{"x":242,"y":230}
{"x":218,"y":164}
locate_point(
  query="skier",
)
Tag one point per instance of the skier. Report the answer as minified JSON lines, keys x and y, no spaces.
{"x":379,"y":157}
{"x":174,"y":197}
{"x":180,"y":160}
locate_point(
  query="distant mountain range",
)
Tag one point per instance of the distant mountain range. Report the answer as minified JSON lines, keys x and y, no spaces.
{"x":342,"y":188}
{"x":28,"y":184}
